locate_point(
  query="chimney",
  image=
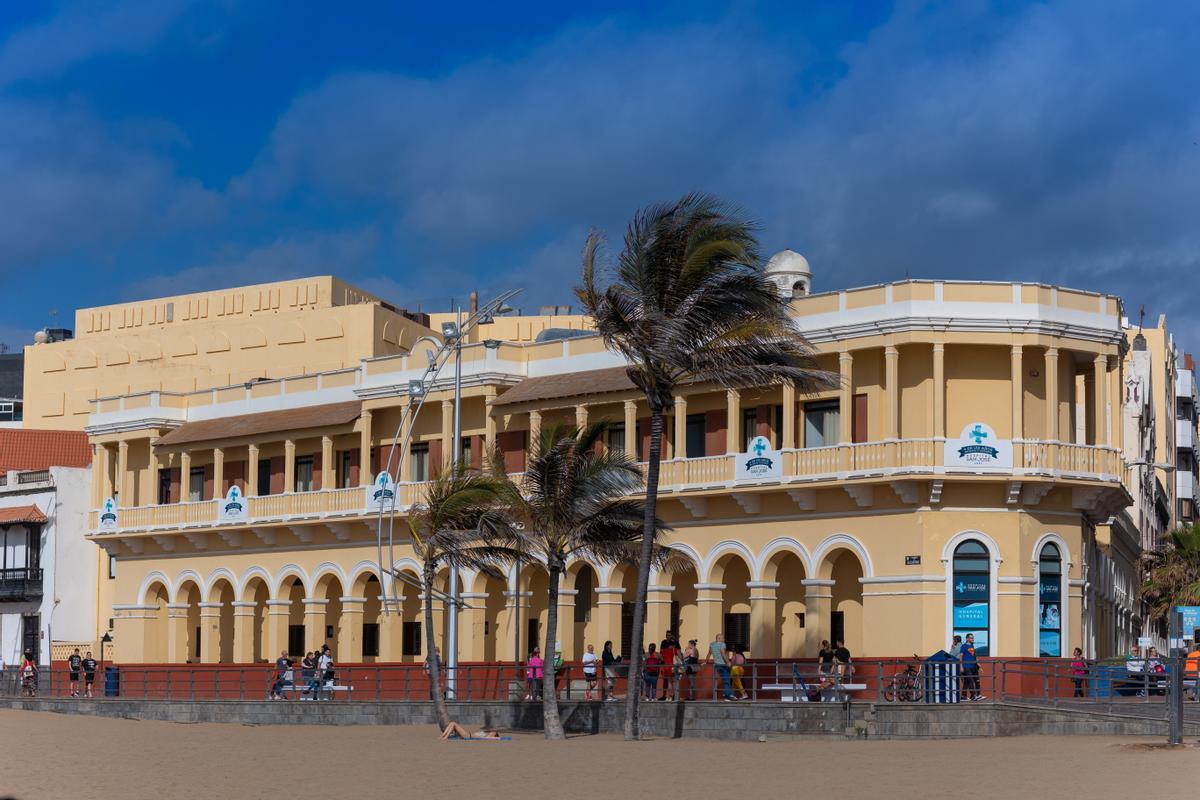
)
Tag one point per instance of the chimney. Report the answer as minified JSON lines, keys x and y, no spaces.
{"x":473,"y":302}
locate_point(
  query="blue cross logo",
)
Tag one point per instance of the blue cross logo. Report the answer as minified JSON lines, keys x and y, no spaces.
{"x":962,"y":587}
{"x":233,"y":493}
{"x":383,"y":479}
{"x":759,"y":446}
{"x":978,"y":434}
{"x":108,"y":504}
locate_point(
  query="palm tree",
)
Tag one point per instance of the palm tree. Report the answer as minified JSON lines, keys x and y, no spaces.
{"x":460,"y":523}
{"x":1173,"y":573}
{"x":573,"y":501}
{"x":690,"y":301}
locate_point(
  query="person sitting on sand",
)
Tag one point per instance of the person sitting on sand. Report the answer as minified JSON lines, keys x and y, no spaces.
{"x":454,"y":730}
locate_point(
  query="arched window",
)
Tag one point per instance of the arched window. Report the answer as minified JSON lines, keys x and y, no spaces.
{"x":1050,"y":601}
{"x":972,"y":593}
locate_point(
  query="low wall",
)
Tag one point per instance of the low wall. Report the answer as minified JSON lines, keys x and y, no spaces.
{"x":730,"y":721}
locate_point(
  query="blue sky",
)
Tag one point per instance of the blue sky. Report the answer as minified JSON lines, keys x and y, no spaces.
{"x":420,"y":152}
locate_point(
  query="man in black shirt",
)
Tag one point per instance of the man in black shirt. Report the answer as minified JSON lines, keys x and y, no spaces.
{"x":841,"y":656}
{"x":73,"y":664}
{"x":89,"y":672}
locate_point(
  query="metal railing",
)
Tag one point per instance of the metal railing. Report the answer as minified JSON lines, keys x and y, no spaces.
{"x":902,"y":681}
{"x":21,"y":583}
{"x":37,"y":476}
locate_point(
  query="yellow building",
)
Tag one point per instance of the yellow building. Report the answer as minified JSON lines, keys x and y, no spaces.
{"x":953,"y":483}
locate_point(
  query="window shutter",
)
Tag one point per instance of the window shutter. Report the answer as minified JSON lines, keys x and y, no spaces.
{"x":209,"y":473}
{"x":316,"y":472}
{"x":235,"y":475}
{"x":715,"y":424}
{"x":277,"y":475}
{"x":859,"y":420}
{"x":435,"y":458}
{"x":354,"y":468}
{"x":512,"y":449}
{"x":175,"y":482}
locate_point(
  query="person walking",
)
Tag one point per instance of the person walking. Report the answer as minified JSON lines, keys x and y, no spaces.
{"x":650,"y":668}
{"x":1079,"y":671}
{"x":534,"y":675}
{"x":841,"y":655}
{"x":609,"y":662}
{"x":970,"y":668}
{"x":691,"y":659}
{"x":825,"y":658}
{"x":955,"y":647}
{"x":590,"y":661}
{"x":89,"y":673}
{"x":737,"y":668}
{"x":308,"y":673}
{"x":283,"y":670}
{"x":29,"y":674}
{"x":74,"y":663}
{"x":717,"y":656}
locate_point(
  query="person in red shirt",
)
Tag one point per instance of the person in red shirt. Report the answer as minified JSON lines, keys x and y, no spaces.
{"x":650,"y":669}
{"x":669,"y":652}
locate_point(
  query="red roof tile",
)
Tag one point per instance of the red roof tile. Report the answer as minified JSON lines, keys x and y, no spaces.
{"x":22,"y":449}
{"x":21,"y":514}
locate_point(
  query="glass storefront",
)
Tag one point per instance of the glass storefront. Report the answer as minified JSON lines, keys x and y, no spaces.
{"x":972,"y":593}
{"x":1050,"y":602}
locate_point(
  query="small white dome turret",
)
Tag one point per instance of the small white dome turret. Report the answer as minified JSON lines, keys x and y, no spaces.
{"x":790,"y":273}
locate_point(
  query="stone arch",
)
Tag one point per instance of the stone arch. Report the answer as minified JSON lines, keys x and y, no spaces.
{"x":187,"y":575}
{"x":281,"y":588}
{"x":321,"y":574}
{"x":1064,"y":584}
{"x":219,"y":574}
{"x":821,"y":563}
{"x":768,"y":561}
{"x":713,"y":572}
{"x":248,"y":576}
{"x":221,"y":590}
{"x":149,"y":581}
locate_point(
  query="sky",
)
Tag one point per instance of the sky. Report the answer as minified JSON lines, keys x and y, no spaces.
{"x":153,"y":147}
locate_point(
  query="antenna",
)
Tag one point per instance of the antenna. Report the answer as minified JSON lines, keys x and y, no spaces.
{"x":1141,"y":316}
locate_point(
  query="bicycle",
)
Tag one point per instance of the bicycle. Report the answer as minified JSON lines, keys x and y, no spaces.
{"x":908,"y":685}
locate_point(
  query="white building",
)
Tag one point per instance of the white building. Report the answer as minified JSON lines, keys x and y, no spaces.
{"x":48,"y":574}
{"x":1186,"y":489}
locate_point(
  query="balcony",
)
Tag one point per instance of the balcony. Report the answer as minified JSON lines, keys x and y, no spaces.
{"x":1185,"y":434}
{"x":20,"y":584}
{"x":1185,"y":485}
{"x":890,"y":461}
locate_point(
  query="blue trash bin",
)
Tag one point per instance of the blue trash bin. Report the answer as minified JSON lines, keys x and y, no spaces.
{"x":941,"y":678}
{"x":112,"y":682}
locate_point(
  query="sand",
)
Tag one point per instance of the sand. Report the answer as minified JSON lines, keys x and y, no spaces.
{"x":46,"y":755}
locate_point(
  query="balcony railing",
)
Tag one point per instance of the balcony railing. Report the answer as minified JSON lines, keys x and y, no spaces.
{"x":900,"y":458}
{"x":20,"y":584}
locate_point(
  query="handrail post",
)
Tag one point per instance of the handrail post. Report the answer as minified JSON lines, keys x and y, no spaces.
{"x":242,"y":683}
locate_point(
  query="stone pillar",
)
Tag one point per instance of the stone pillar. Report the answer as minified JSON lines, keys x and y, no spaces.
{"x":535,"y":429}
{"x":449,"y":446}
{"x":471,"y":638}
{"x":632,"y":445}
{"x":252,"y":470}
{"x":99,"y":457}
{"x":608,"y":616}
{"x":733,"y":421}
{"x":122,"y":475}
{"x":177,"y":633}
{"x":1018,"y":406}
{"x":789,"y":416}
{"x":365,"y":478}
{"x":764,"y":619}
{"x":289,"y":466}
{"x":1101,"y":399}
{"x":349,"y":643}
{"x":658,"y":612}
{"x":1051,"y":405}
{"x":314,"y":623}
{"x":243,"y":631}
{"x":328,"y":474}
{"x":210,"y":633}
{"x":710,"y":598}
{"x":391,"y":629}
{"x":581,"y":416}
{"x":185,"y":475}
{"x":939,"y":390}
{"x":218,"y":472}
{"x":891,"y":417}
{"x":489,"y":422}
{"x":275,"y":637}
{"x":680,"y":426}
{"x":152,"y":484}
{"x":846,"y":413}
{"x":565,"y":636}
{"x":818,"y":611}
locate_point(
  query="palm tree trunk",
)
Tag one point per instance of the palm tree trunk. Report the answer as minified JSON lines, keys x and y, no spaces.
{"x":431,"y":666}
{"x":551,"y":722}
{"x":632,"y":730}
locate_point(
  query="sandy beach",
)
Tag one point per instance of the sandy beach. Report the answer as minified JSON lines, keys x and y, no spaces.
{"x":53,"y":756}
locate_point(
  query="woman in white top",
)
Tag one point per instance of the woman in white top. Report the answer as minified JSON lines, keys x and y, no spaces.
{"x":590,"y":660}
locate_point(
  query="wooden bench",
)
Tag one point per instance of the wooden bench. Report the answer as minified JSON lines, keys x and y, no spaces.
{"x":302,"y":689}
